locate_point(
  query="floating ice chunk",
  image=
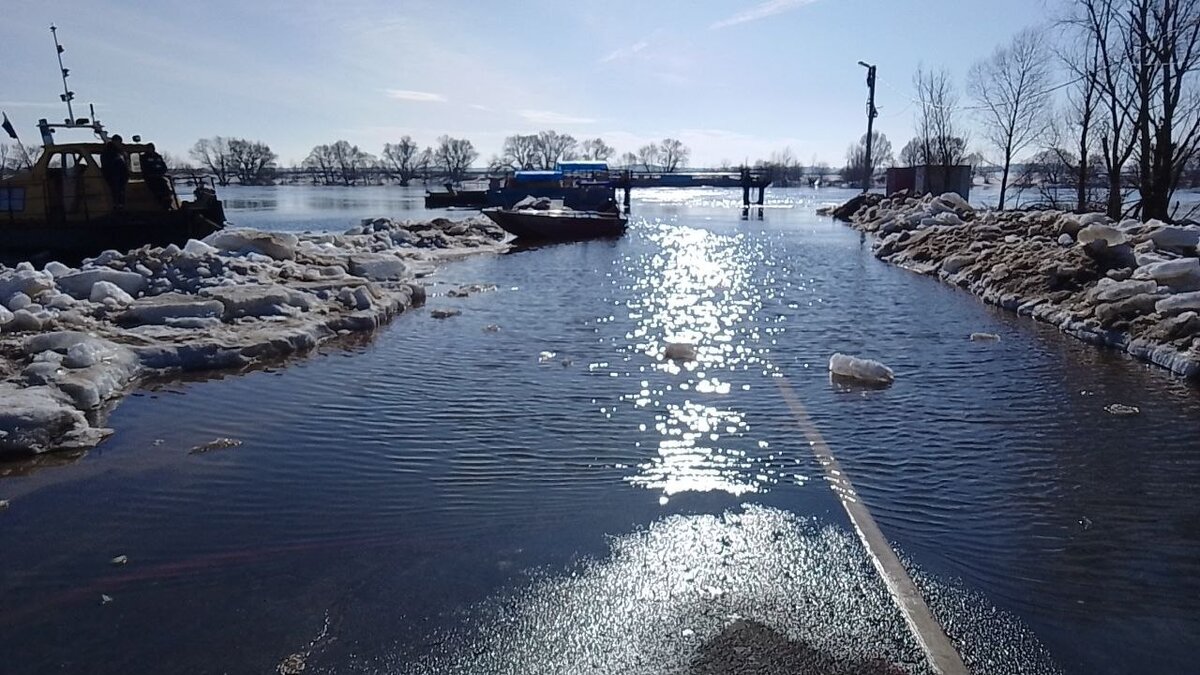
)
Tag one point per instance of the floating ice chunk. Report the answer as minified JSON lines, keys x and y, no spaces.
{"x":984,"y":337}
{"x":445,"y":313}
{"x":866,"y":370}
{"x":216,"y":444}
{"x":546,"y":356}
{"x":680,"y":351}
{"x":1121,"y":410}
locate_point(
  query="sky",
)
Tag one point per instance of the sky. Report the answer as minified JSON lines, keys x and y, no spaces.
{"x":735,"y":81}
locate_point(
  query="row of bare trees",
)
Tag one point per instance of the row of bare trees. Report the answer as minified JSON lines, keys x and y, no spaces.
{"x":342,"y":163}
{"x":250,"y":162}
{"x":1129,"y":117}
{"x":545,"y":149}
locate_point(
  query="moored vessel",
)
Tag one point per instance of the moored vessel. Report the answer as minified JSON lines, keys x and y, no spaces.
{"x":78,"y":198}
{"x":558,"y":224}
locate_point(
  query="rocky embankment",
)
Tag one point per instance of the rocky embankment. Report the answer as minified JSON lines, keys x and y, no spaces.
{"x":75,"y":339}
{"x":1130,"y":285}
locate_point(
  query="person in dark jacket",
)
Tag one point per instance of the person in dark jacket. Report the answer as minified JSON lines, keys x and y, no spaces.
{"x":154,"y":172}
{"x":115,"y":168}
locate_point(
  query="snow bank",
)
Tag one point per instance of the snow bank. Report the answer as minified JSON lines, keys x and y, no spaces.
{"x":1131,"y":285}
{"x":80,"y":338}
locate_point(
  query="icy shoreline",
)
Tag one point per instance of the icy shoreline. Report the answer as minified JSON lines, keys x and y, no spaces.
{"x":1129,"y":285}
{"x":75,"y":340}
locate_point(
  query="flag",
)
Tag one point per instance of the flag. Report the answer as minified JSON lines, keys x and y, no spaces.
{"x":9,"y":128}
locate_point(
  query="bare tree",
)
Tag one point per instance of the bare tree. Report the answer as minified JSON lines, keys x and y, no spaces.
{"x":8,"y":155}
{"x":1162,"y":40}
{"x":553,"y":146}
{"x":673,"y":153}
{"x":214,"y":155}
{"x":912,"y":153}
{"x":857,"y":167}
{"x":1076,"y":124}
{"x":351,"y":164}
{"x":454,"y":156}
{"x":629,"y":160}
{"x":252,"y":162}
{"x":320,"y":164}
{"x":1011,"y":88}
{"x":521,"y":150}
{"x":942,"y":141}
{"x":401,"y":160}
{"x":596,"y":149}
{"x":649,"y":155}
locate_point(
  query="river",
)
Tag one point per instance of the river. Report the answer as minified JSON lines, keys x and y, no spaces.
{"x":528,"y":487}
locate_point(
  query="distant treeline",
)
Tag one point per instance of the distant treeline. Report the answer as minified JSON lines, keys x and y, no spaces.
{"x":230,"y":160}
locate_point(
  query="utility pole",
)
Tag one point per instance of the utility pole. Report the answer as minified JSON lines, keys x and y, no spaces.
{"x":872,"y":113}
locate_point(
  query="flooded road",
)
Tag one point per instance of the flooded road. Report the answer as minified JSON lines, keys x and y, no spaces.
{"x":531,"y":487}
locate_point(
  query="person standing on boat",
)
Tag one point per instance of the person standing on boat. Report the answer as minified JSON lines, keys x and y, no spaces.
{"x":115,"y":168}
{"x":154,"y":172}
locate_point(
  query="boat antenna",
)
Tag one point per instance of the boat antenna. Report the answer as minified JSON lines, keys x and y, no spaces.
{"x":67,"y":95}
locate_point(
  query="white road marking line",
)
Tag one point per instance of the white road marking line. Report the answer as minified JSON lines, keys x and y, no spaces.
{"x":942,"y":655}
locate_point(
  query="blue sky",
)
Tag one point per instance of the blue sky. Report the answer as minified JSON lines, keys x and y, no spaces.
{"x":733,"y":80}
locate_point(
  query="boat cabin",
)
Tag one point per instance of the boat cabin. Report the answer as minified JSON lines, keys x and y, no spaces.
{"x":66,"y":185}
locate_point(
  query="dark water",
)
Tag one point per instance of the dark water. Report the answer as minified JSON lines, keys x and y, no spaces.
{"x":553,"y":497}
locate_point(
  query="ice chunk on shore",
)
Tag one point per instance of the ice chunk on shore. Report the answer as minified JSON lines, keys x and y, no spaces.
{"x":37,"y":419}
{"x":24,"y":281}
{"x":1180,"y":275}
{"x":278,"y":245}
{"x":197,"y":249}
{"x":162,"y":309}
{"x":866,"y":370}
{"x":1180,"y":302}
{"x":79,"y":284}
{"x":19,"y":301}
{"x":103,"y":290}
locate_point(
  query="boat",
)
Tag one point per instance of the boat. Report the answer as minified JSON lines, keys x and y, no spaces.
{"x":558,"y":224}
{"x":453,"y":197}
{"x":60,"y":205}
{"x":581,"y":185}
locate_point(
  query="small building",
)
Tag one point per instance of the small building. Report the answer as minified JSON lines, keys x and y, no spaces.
{"x":932,"y":179}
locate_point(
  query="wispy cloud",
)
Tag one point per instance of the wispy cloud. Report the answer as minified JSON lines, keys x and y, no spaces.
{"x":479,"y":106}
{"x":760,"y":11}
{"x":625,"y":52}
{"x":418,"y":96}
{"x":549,"y":117}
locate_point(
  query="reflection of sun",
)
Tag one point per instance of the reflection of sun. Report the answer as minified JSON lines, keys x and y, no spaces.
{"x":688,"y":459}
{"x":697,"y":289}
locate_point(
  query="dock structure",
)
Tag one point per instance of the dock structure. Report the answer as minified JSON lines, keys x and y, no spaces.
{"x":747,"y":179}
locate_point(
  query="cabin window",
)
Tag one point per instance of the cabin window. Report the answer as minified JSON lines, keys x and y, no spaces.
{"x":12,"y":199}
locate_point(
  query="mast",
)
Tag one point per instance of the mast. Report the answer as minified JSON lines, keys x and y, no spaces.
{"x":67,"y":95}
